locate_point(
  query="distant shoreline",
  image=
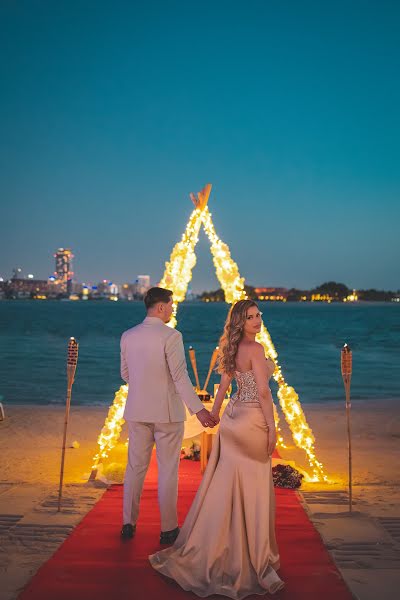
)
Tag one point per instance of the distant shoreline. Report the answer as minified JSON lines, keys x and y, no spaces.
{"x":198,"y":301}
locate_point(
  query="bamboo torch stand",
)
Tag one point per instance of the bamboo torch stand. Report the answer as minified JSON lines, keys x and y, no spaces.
{"x":192,"y":355}
{"x":346,"y":364}
{"x":212,"y":365}
{"x":72,"y":360}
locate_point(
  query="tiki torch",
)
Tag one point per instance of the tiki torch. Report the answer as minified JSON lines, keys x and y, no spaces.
{"x":346,"y":374}
{"x":212,"y":365}
{"x":192,"y":355}
{"x":72,"y":360}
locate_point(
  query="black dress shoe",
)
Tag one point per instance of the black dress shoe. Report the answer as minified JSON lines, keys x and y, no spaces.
{"x":128,"y":531}
{"x":169,"y":537}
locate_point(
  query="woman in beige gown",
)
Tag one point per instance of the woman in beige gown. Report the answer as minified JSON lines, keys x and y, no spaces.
{"x":227,"y":544}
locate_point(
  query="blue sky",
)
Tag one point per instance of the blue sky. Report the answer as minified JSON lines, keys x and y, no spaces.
{"x":112,"y":112}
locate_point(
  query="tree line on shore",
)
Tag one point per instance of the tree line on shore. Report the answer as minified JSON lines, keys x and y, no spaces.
{"x":330,"y":291}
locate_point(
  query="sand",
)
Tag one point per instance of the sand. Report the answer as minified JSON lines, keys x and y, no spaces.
{"x":365,"y":544}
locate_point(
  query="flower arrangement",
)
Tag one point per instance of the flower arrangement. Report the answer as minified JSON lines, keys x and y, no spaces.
{"x":285,"y":476}
{"x":192,"y":453}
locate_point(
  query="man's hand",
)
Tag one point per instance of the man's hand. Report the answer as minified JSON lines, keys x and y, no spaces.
{"x":205,"y":418}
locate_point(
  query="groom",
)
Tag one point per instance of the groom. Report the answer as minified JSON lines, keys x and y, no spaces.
{"x":153,"y":363}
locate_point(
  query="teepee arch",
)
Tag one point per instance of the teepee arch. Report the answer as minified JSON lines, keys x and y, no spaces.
{"x":177,"y":275}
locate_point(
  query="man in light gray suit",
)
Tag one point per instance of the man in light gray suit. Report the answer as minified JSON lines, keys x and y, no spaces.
{"x":153,"y":363}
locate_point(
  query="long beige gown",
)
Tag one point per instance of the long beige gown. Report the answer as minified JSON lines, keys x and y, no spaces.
{"x":227,"y":544}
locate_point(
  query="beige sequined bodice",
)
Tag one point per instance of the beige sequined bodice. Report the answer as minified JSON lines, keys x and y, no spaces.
{"x":247,"y":387}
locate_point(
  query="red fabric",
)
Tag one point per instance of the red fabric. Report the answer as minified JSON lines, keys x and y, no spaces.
{"x":94,"y":564}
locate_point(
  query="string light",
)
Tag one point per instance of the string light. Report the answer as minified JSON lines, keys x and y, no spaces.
{"x":233,"y":286}
{"x":178,"y":271}
{"x":177,"y":275}
{"x":112,"y":428}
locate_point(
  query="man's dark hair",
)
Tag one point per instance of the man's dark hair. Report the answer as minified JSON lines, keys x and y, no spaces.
{"x":155,"y":295}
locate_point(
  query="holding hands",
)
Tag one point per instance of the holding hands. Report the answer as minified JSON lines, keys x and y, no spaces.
{"x":215,"y":415}
{"x":206,"y":418}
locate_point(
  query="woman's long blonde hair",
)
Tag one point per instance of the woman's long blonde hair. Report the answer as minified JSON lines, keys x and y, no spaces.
{"x":233,"y":333}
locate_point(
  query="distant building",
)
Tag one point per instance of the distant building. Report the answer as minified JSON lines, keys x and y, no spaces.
{"x":126,"y":292}
{"x":27,"y":288}
{"x":190,"y":296}
{"x":64,"y":273}
{"x":114,"y":289}
{"x":351,"y":297}
{"x":107,"y":289}
{"x":322,"y":298}
{"x":274,"y":294}
{"x":143,"y":284}
{"x":135,"y":291}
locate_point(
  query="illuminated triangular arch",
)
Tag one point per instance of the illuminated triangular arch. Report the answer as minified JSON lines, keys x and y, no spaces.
{"x":177,"y":275}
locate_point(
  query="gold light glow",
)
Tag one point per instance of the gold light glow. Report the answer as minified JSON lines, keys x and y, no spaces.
{"x":178,"y":271}
{"x":112,"y":428}
{"x":177,"y":275}
{"x":233,"y":285}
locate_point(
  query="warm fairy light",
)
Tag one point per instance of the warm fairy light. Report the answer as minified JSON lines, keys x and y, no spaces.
{"x":178,"y":271}
{"x":228,"y":275}
{"x":111,"y":431}
{"x":177,"y":275}
{"x":233,"y":285}
{"x":225,"y":268}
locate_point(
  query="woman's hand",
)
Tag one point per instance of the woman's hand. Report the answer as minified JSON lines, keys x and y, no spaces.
{"x":271,"y":440}
{"x":215,"y":416}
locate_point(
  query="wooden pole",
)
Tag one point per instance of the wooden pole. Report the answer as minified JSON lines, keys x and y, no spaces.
{"x":200,"y":201}
{"x":212,"y":365}
{"x":192,"y":355}
{"x":72,"y":360}
{"x":346,"y":364}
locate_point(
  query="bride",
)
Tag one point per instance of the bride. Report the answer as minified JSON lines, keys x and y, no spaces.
{"x":227,"y":544}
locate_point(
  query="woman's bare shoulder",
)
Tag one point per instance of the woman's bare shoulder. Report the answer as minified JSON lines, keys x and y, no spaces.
{"x":256,"y":352}
{"x":256,"y":349}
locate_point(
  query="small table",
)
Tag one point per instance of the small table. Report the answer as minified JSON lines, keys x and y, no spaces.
{"x":193,"y":428}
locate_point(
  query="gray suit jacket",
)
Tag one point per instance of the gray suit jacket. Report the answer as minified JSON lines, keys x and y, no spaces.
{"x":153,"y":363}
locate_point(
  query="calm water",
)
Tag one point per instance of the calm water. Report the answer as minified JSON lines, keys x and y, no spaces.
{"x":308,"y":338}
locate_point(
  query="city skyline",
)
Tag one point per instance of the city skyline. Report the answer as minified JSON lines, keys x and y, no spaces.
{"x":62,"y":275}
{"x":290,"y":110}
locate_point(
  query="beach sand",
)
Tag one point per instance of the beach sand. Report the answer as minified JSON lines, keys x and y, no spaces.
{"x":365,"y":544}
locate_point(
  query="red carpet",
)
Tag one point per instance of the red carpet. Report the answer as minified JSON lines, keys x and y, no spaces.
{"x":94,"y":564}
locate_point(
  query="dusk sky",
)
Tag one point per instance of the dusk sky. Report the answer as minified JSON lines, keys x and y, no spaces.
{"x":112,"y":112}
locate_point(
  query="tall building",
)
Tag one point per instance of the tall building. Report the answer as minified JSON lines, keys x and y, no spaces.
{"x":64,"y":272}
{"x":143,"y":284}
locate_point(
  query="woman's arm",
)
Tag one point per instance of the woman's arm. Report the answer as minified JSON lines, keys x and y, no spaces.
{"x":262,"y":371}
{"x":219,"y":398}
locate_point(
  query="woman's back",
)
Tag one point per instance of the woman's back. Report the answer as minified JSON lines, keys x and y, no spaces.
{"x":246,"y":387}
{"x":243,"y":357}
{"x":227,"y":544}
